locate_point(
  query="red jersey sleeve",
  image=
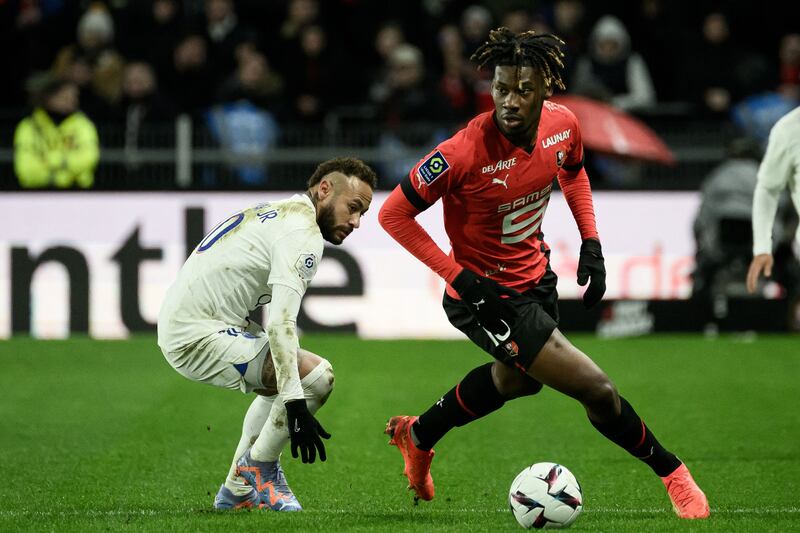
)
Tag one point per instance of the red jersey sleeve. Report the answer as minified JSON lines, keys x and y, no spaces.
{"x":574,"y":182}
{"x":397,"y":217}
{"x":430,"y":179}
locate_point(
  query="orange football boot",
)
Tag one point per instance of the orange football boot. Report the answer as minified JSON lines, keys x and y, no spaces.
{"x":687,"y":498}
{"x":417,"y":462}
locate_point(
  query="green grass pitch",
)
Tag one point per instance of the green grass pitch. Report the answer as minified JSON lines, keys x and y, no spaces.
{"x":106,"y":436}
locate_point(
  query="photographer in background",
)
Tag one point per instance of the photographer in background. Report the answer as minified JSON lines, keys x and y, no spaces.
{"x":56,"y":146}
{"x":722,"y":227}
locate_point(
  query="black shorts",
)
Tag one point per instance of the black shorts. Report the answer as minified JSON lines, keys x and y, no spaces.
{"x":538,"y":309}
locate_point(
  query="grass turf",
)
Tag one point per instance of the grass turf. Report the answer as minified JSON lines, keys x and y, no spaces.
{"x":98,"y":435}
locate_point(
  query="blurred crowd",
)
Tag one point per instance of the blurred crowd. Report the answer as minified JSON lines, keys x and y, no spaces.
{"x":255,"y":65}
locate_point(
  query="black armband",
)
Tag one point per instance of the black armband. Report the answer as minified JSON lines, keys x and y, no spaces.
{"x":576,"y":166}
{"x":413,"y":196}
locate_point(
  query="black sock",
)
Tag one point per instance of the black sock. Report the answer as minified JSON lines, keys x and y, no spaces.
{"x":630,"y":432}
{"x":474,"y":397}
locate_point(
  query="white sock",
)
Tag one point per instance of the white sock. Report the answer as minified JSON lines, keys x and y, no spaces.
{"x":254,"y":420}
{"x":274,"y":436}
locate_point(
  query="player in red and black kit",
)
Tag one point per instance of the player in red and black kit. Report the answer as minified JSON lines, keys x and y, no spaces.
{"x":494,"y":178}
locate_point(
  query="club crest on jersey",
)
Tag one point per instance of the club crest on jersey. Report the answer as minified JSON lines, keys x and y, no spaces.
{"x":559,"y":158}
{"x":432,"y":168}
{"x":306,"y":266}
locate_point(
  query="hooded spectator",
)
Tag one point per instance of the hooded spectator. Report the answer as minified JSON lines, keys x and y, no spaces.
{"x":92,"y":62}
{"x":611,"y":71}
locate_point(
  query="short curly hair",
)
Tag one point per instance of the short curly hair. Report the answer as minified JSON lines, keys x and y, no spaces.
{"x":349,"y":166}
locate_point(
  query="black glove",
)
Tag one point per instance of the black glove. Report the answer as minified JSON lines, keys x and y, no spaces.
{"x":592,"y":265}
{"x":482,"y":295}
{"x":305,"y":432}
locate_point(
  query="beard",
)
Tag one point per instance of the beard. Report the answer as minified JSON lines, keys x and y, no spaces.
{"x":327,"y":224}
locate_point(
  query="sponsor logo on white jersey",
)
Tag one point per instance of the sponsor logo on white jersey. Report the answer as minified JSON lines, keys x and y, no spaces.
{"x":557,"y":138}
{"x":500,"y":165}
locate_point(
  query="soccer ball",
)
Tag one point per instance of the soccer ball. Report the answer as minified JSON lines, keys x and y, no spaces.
{"x":545,"y":495}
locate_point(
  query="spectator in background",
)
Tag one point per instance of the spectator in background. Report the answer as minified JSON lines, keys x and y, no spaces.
{"x":611,"y":71}
{"x":223,"y":32}
{"x":314,"y":71}
{"x":756,"y":114}
{"x":93,"y":63}
{"x":387,"y":39}
{"x":253,"y":80}
{"x":56,"y":146}
{"x":411,"y":99}
{"x":34,"y":31}
{"x":142,"y":105}
{"x":789,"y":66}
{"x":456,"y":85}
{"x":517,"y":20}
{"x":190,"y":77}
{"x":141,"y":96}
{"x":720,"y":71}
{"x":299,"y":15}
{"x":569,"y":22}
{"x":653,"y":26}
{"x":476,"y":21}
{"x":155,"y":28}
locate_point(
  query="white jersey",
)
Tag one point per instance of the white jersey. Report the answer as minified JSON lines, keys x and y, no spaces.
{"x":779,"y":168}
{"x":234,"y":268}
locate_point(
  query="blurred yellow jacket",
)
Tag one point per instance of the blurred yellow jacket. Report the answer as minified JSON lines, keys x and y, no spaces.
{"x":50,"y":155}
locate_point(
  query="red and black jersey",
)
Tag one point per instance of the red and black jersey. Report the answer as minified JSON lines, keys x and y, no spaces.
{"x":495,"y":195}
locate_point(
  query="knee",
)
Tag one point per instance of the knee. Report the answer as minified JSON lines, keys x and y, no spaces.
{"x":511,"y":383}
{"x":318,"y":384}
{"x":601,"y":397}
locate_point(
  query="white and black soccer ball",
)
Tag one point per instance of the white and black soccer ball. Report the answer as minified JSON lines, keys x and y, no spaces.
{"x":545,"y":495}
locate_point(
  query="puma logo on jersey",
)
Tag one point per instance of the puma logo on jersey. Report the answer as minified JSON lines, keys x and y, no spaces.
{"x":500,"y":165}
{"x":557,"y":138}
{"x":501,"y":182}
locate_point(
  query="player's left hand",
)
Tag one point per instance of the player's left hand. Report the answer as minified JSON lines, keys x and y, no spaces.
{"x":305,"y":432}
{"x":591,"y":265}
{"x":760,"y":263}
{"x":486,"y":303}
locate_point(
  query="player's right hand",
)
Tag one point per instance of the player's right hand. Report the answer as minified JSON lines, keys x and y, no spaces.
{"x":482,"y":295}
{"x":305,"y":432}
{"x":592,"y":270}
{"x":759,"y":263}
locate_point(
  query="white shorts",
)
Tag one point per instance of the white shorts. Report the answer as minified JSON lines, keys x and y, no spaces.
{"x":232,"y":358}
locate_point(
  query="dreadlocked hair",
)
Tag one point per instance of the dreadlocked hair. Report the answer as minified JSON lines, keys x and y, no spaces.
{"x":541,"y":51}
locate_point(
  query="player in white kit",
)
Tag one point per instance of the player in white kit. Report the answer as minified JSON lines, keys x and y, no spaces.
{"x":264,"y":255}
{"x":779,"y":169}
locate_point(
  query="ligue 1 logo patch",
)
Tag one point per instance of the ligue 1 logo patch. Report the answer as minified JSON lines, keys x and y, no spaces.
{"x":306,"y":266}
{"x":432,"y":168}
{"x":560,"y":158}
